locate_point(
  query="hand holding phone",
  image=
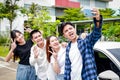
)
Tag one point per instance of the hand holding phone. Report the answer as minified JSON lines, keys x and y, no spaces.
{"x":88,"y":13}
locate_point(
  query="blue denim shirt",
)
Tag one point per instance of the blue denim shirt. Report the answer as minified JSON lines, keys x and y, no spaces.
{"x":89,"y":71}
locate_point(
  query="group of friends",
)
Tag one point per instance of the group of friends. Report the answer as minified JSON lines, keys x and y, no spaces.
{"x":48,"y":59}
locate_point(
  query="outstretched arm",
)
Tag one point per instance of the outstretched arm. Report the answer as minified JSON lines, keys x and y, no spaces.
{"x":97,"y":17}
{"x":96,"y":33}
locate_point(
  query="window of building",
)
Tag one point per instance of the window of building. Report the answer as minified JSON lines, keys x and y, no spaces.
{"x":26,"y":6}
{"x":85,"y":2}
{"x":74,"y":0}
{"x":101,"y":4}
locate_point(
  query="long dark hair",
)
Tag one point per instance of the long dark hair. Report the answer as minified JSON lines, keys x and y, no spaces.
{"x":13,"y":36}
{"x":48,"y":48}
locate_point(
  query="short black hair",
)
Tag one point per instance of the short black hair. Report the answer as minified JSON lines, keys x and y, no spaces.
{"x":62,"y":25}
{"x":34,"y":31}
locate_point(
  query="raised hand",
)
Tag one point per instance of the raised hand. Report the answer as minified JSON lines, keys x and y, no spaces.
{"x":35,"y":50}
{"x":97,"y":13}
{"x":13,"y":44}
{"x":54,"y":54}
{"x":64,"y":44}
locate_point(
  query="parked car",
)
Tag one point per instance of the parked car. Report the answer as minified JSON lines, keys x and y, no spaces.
{"x":107,"y":57}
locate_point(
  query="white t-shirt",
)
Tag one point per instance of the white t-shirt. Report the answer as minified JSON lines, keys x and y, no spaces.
{"x":60,"y":59}
{"x":51,"y":73}
{"x":40,"y":63}
{"x":76,"y":62}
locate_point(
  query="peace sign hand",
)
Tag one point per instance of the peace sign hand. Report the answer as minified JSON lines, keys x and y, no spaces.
{"x":54,"y":54}
{"x":13,"y":44}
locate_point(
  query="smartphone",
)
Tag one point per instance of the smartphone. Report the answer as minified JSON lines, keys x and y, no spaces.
{"x":88,"y":13}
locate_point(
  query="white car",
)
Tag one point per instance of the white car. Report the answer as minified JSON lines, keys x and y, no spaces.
{"x":107,"y":57}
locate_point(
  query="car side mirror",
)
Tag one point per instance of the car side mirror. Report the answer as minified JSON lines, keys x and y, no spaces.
{"x":108,"y":75}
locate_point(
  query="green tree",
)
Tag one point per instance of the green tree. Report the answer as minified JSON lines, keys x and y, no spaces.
{"x":111,"y":29}
{"x":107,"y":12}
{"x":39,"y":18}
{"x":34,"y":8}
{"x":10,"y":10}
{"x":118,"y":12}
{"x":1,"y":11}
{"x":72,"y":14}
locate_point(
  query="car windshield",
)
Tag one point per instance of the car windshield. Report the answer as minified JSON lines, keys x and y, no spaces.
{"x":115,"y":52}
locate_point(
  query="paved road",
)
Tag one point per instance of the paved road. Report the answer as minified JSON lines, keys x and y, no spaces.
{"x":7,"y":70}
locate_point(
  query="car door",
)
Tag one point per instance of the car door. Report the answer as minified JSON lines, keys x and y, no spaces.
{"x":103,"y":63}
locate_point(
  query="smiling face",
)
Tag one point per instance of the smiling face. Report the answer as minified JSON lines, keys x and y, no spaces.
{"x":19,"y":37}
{"x":37,"y":38}
{"x":69,"y":32}
{"x":54,"y":42}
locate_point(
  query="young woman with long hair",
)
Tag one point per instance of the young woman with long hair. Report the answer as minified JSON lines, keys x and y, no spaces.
{"x":20,"y":48}
{"x":56,"y":56}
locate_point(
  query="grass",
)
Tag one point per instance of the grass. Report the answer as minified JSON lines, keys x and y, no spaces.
{"x":4,"y":50}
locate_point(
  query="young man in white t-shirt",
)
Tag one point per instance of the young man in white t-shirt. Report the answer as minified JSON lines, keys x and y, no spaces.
{"x":38,"y":56}
{"x":79,"y":62}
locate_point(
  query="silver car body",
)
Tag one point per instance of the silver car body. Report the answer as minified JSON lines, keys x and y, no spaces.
{"x":105,"y":46}
{"x":112,"y":52}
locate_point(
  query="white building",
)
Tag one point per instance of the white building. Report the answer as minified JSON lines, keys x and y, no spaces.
{"x":55,"y":7}
{"x":115,"y":4}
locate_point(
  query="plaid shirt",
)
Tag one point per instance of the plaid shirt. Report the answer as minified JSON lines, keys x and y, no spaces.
{"x":89,"y":71}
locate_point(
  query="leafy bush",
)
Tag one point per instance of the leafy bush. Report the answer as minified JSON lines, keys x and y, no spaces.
{"x":4,"y":40}
{"x":4,"y":50}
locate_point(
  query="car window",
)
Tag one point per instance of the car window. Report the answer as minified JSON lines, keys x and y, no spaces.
{"x":115,"y":52}
{"x":104,"y":63}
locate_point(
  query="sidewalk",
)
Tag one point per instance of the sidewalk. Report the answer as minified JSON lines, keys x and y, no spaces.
{"x":7,"y":70}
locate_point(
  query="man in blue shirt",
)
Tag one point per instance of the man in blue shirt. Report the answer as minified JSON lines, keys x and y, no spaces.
{"x":79,"y":62}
